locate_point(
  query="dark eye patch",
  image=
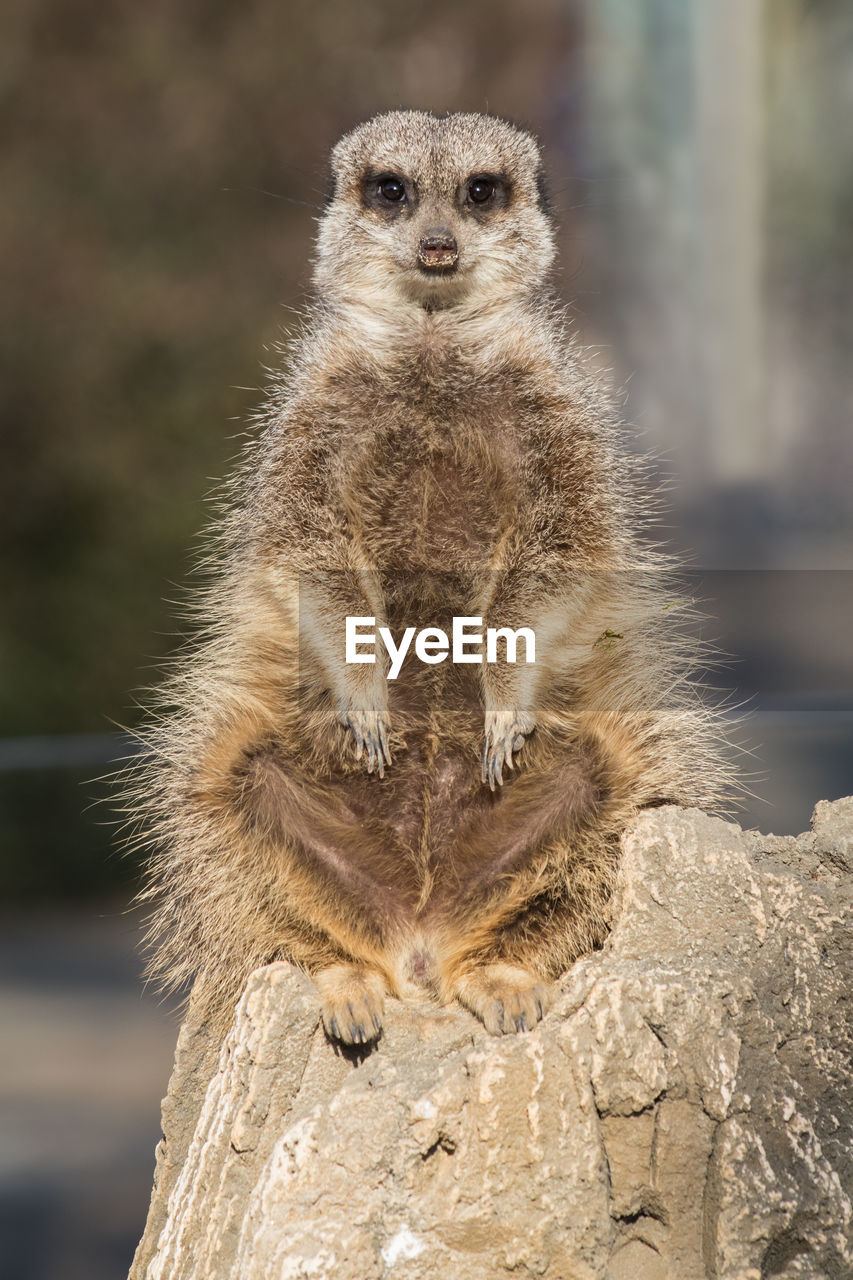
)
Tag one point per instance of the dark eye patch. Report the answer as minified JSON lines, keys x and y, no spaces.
{"x":389,"y":192}
{"x":482,"y":194}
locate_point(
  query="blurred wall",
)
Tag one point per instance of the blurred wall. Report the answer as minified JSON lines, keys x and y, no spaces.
{"x":716,"y":138}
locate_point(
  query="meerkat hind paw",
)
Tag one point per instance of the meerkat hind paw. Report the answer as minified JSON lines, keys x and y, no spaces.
{"x":505,"y":998}
{"x":352,"y":1003}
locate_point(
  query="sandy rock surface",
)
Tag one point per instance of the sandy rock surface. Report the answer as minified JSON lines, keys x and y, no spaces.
{"x":684,"y":1111}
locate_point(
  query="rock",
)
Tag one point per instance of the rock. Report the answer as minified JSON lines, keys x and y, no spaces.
{"x":684,"y":1111}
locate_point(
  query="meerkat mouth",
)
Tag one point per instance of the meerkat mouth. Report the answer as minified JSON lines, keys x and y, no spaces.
{"x":438,"y":264}
{"x":438,"y":253}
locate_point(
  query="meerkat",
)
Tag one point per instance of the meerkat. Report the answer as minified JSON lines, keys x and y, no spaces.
{"x":437,"y":449}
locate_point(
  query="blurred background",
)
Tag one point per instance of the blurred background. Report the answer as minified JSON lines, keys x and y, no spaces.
{"x":162,"y":167}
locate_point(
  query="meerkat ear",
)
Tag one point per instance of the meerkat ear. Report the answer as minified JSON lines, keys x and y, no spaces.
{"x":331,"y":188}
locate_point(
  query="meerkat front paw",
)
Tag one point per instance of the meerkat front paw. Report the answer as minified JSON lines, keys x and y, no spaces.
{"x":370,"y":727}
{"x":506,"y":729}
{"x":353,"y":1003}
{"x":504,"y":997}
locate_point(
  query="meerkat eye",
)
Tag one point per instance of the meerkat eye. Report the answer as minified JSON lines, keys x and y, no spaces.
{"x":391,"y":188}
{"x":480,"y":190}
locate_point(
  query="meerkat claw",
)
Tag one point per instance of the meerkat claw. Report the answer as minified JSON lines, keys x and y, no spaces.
{"x":370,"y":733}
{"x":383,"y":742}
{"x":376,"y":754}
{"x":359,"y":740}
{"x":505,"y":733}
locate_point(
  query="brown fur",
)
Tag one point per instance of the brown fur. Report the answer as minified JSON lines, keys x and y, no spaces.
{"x":437,"y":449}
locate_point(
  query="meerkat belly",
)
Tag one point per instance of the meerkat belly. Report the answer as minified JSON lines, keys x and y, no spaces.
{"x":431,"y":514}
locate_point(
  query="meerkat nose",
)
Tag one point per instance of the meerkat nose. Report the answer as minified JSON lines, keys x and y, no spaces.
{"x":437,"y":248}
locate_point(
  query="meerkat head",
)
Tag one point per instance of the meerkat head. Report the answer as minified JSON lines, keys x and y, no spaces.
{"x":434,"y":211}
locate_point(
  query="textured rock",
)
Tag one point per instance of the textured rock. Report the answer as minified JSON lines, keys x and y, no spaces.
{"x":684,"y":1111}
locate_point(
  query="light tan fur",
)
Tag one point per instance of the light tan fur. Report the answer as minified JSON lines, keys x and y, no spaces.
{"x":437,"y":448}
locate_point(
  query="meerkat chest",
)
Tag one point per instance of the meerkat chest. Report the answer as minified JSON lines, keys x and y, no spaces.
{"x":433,"y":494}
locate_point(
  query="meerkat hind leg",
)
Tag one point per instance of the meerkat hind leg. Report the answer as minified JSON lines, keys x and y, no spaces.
{"x":353,"y":1001}
{"x":504,"y":997}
